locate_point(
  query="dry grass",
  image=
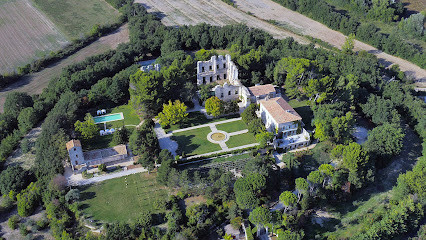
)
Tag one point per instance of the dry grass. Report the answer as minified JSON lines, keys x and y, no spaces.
{"x":36,"y":82}
{"x":25,"y":34}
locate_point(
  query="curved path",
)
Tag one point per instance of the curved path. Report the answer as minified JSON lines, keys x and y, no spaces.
{"x":269,"y":10}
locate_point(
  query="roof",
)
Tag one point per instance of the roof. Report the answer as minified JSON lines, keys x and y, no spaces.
{"x":261,"y":89}
{"x":73,"y":143}
{"x":280,"y":110}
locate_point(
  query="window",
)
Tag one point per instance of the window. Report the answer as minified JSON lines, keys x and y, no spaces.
{"x":76,"y":163}
{"x":236,"y":92}
{"x":221,"y":95}
{"x":76,"y":156}
{"x":202,"y":69}
{"x":211,"y":79}
{"x":224,"y":65}
{"x":229,"y":93}
{"x":204,"y":80}
{"x":217,"y":77}
{"x":224,"y":76}
{"x":217,"y":66}
{"x":210,"y":67}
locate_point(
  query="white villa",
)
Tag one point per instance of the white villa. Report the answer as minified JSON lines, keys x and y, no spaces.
{"x":277,"y":115}
{"x":280,"y":118}
{"x":82,"y":160}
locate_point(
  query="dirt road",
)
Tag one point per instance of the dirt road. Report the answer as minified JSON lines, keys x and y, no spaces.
{"x":216,"y":12}
{"x":269,"y":10}
{"x":253,"y":13}
{"x":36,"y":82}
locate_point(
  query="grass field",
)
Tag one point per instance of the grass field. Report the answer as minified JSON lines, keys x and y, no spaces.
{"x":122,"y":199}
{"x":240,"y":139}
{"x":130,"y":116}
{"x":77,"y":17}
{"x":194,"y":142}
{"x":232,"y":126}
{"x":195,"y":119}
{"x":25,"y":34}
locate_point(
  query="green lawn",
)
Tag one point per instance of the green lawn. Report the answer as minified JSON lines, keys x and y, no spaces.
{"x":240,"y":139}
{"x":130,"y":116}
{"x":195,"y":119}
{"x":232,"y":126}
{"x":194,"y":142}
{"x":77,"y":17}
{"x":97,"y":142}
{"x":120,"y":199}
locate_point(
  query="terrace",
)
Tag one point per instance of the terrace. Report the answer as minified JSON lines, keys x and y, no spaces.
{"x":293,"y":141}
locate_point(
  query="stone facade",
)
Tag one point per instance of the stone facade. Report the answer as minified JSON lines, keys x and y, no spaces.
{"x":222,"y":71}
{"x":216,"y":69}
{"x":152,"y":67}
{"x":75,"y":152}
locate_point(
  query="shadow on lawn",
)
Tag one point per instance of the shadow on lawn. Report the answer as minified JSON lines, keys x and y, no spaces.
{"x":186,"y":142}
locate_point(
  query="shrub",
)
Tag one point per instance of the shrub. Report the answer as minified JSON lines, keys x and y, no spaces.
{"x":102,"y":167}
{"x":13,"y":222}
{"x":25,"y":145}
{"x":23,"y":229}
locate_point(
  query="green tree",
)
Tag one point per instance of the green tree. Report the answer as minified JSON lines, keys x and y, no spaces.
{"x":349,"y":44}
{"x":357,"y":161}
{"x":87,"y":128}
{"x":288,"y":235}
{"x":260,"y":216}
{"x":14,"y":178}
{"x":295,"y":72}
{"x":256,"y":126}
{"x":214,"y":106}
{"x":15,"y":102}
{"x":204,"y":55}
{"x":249,"y":114}
{"x":27,"y":119}
{"x":172,"y":113}
{"x":315,"y":178}
{"x":146,"y":93}
{"x":28,"y":200}
{"x":385,"y":140}
{"x":147,"y":161}
{"x":327,"y":172}
{"x":301,"y":187}
{"x":102,"y":167}
{"x":343,"y":128}
{"x":120,"y":136}
{"x":205,"y":91}
{"x":263,"y":138}
{"x":247,"y":189}
{"x":289,"y":200}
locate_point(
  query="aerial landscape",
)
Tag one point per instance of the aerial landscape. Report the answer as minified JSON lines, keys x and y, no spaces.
{"x":212,"y":119}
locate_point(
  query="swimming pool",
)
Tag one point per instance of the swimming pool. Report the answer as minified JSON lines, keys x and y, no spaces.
{"x":109,"y":118}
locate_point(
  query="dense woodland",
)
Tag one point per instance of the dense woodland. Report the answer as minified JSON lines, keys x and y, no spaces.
{"x":361,"y":17}
{"x":339,"y":85}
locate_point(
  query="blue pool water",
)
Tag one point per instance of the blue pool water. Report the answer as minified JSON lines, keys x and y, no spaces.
{"x":109,"y":118}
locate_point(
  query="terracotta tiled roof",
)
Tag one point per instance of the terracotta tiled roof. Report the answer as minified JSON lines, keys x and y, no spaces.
{"x":261,"y":89}
{"x":73,"y":143}
{"x":280,"y":110}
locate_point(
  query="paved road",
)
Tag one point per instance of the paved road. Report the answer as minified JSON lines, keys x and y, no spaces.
{"x":76,"y":180}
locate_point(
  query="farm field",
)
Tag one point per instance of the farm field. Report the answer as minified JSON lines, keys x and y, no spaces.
{"x":216,"y":12}
{"x":25,"y":34}
{"x":77,"y":17}
{"x":117,"y":199}
{"x":254,"y":13}
{"x":35,"y":83}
